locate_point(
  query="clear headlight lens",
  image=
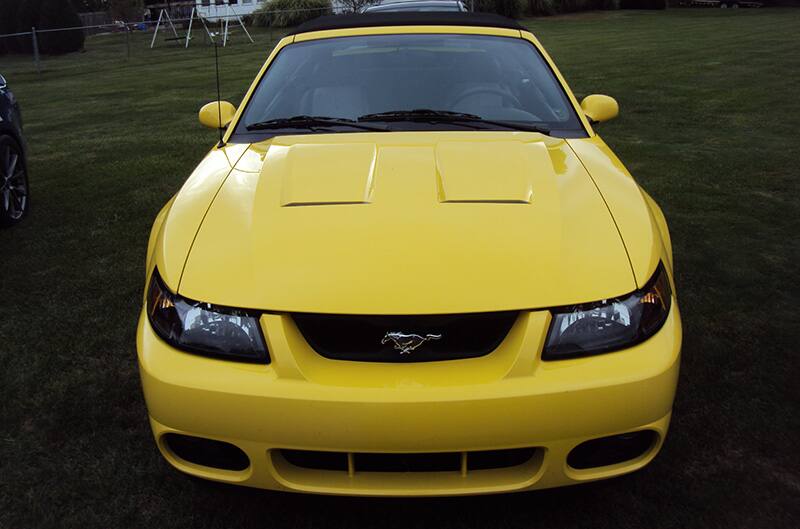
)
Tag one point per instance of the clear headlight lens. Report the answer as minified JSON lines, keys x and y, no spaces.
{"x":203,"y":328}
{"x":611,"y":324}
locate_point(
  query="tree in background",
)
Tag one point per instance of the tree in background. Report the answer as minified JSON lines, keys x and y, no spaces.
{"x":507,"y":8}
{"x":286,"y":13}
{"x":583,"y":5}
{"x":90,"y":6}
{"x":516,"y":8}
{"x":47,"y":14}
{"x":643,"y":4}
{"x":26,"y":17}
{"x":355,"y":6}
{"x":126,"y":9}
{"x":59,"y":14}
{"x":8,"y":17}
{"x":542,"y":7}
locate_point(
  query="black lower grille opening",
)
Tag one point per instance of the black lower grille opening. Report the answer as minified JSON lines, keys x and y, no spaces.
{"x":405,"y":338}
{"x":611,"y":450}
{"x":316,"y":460}
{"x":207,"y":452}
{"x":434,"y":462}
{"x":409,"y":462}
{"x":499,"y":458}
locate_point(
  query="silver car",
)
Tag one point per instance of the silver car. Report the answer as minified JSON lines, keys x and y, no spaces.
{"x":416,"y":5}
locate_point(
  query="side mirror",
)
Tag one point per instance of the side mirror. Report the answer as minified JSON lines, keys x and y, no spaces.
{"x":599,"y":108}
{"x":217,"y":114}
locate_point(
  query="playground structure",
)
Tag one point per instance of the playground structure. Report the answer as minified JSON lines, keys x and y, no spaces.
{"x":224,"y":21}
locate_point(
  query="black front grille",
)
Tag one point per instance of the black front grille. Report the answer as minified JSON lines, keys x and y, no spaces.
{"x":422,"y":338}
{"x":411,"y":462}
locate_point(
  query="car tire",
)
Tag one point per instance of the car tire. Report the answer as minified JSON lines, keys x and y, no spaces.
{"x":14,"y":192}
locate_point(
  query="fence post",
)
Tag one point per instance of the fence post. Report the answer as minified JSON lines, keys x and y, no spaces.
{"x":128,"y":39}
{"x":35,"y":40}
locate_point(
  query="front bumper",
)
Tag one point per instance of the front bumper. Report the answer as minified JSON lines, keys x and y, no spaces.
{"x":507,"y":399}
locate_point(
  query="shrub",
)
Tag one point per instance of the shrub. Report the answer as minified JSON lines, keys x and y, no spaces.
{"x":47,"y":14}
{"x":59,"y":14}
{"x":355,"y":6}
{"x":643,"y":4}
{"x":283,"y":13}
{"x":515,"y":8}
{"x":8,"y":17}
{"x":507,"y":8}
{"x":126,"y":9}
{"x":542,"y":7}
{"x":570,"y":6}
{"x":27,"y":16}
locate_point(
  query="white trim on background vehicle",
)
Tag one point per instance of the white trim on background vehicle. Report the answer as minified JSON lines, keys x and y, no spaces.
{"x":212,"y":10}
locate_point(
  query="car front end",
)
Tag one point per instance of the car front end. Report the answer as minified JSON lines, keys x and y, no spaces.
{"x":340,"y":310}
{"x":402,"y":430}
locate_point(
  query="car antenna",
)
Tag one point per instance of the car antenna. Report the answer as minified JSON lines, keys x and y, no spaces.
{"x":219,"y":97}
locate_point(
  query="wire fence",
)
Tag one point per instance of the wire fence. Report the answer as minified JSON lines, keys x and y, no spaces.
{"x":127,"y":37}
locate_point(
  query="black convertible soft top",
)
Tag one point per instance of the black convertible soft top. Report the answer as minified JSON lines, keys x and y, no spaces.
{"x":429,"y":18}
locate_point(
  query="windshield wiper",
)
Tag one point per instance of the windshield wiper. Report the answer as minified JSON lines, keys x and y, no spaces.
{"x":416,"y":114}
{"x":311,"y":122}
{"x":445,"y":116}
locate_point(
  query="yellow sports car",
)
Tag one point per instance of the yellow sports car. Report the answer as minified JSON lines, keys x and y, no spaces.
{"x":410,"y":267}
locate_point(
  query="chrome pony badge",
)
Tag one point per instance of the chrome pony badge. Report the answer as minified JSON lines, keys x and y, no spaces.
{"x":405,"y":343}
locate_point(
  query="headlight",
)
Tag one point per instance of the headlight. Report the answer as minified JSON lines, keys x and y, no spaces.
{"x":203,"y":328}
{"x":611,"y":324}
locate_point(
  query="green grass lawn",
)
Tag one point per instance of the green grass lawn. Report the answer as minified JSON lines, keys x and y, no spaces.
{"x":709,"y":121}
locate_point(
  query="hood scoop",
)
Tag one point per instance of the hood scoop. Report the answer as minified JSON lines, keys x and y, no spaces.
{"x":466,"y":172}
{"x":325,"y":174}
{"x":489,"y":172}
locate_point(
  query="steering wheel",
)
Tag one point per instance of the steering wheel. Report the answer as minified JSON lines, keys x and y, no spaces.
{"x":507,"y":96}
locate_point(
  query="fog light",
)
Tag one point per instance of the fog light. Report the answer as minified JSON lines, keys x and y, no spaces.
{"x":207,"y":452}
{"x":611,"y":450}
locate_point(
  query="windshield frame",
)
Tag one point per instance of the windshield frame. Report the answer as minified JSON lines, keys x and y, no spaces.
{"x":235,"y":132}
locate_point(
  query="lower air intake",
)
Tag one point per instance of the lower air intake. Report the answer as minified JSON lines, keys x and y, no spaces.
{"x":611,"y":450}
{"x":207,"y":452}
{"x":413,"y":462}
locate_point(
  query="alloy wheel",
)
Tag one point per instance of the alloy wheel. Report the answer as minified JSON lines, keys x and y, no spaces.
{"x":13,"y":182}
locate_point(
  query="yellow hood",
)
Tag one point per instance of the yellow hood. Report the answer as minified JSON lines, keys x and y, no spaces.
{"x":407,"y":223}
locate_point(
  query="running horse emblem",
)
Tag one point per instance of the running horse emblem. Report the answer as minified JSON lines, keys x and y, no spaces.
{"x":405,"y":343}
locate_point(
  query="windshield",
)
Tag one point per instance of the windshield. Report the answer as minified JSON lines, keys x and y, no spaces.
{"x":494,"y":78}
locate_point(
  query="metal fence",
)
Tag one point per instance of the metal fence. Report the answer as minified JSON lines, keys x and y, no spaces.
{"x":96,"y":18}
{"x":127,"y":36}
